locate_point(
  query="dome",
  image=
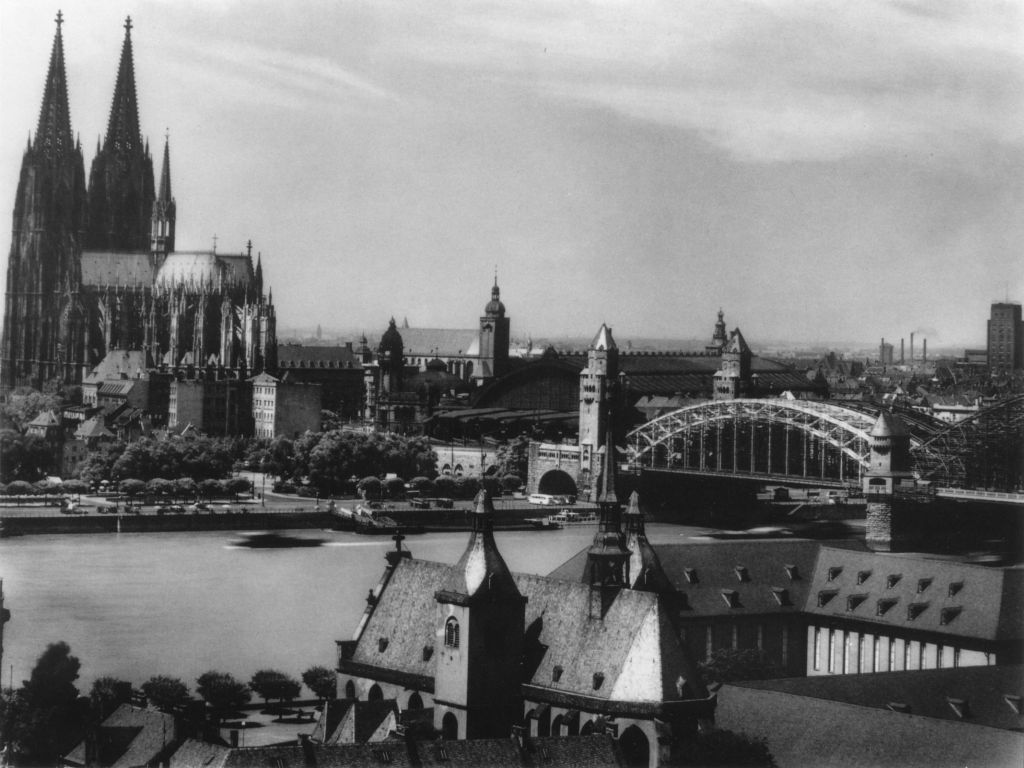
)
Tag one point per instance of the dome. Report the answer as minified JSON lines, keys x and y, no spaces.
{"x":437,"y":364}
{"x":494,"y":306}
{"x":392,"y":339}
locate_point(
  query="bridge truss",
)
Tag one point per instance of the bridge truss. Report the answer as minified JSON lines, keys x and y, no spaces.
{"x":784,"y":439}
{"x":984,"y":451}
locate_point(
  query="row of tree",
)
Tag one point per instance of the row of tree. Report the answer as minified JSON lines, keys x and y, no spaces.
{"x":46,"y":716}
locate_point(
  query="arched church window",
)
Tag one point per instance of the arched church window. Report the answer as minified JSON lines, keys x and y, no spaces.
{"x":451,"y":632}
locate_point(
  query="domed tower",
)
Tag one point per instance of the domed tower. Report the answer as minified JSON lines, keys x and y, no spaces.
{"x":719,"y":338}
{"x":480,"y":621}
{"x":494,"y":339}
{"x":390,"y":356}
{"x":890,"y":471}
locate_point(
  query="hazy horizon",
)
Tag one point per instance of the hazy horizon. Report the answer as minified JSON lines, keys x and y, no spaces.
{"x":818,"y":171}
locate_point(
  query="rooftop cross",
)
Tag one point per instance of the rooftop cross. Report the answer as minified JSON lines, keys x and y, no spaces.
{"x":60,"y":19}
{"x":128,"y":25}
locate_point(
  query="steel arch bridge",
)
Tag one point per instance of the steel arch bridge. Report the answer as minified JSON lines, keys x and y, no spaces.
{"x":769,"y":439}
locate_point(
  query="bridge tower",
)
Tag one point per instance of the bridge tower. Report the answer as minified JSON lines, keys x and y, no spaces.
{"x":889,"y":472}
{"x":598,"y":391}
{"x":732,"y":379}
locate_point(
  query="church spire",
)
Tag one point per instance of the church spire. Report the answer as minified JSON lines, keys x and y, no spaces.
{"x":164,"y":208}
{"x":123,"y":132}
{"x":53,"y":136}
{"x":164,"y":195}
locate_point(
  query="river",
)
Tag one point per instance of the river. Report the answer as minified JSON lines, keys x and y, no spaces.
{"x":180,"y":604}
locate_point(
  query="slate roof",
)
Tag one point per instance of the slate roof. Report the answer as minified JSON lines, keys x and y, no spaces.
{"x":45,"y":419}
{"x":130,"y":737}
{"x":118,"y":362}
{"x":92,"y":428}
{"x":803,"y":730}
{"x":594,"y":751}
{"x":103,"y":268}
{"x":203,"y":268}
{"x":369,"y":716}
{"x":925,"y":692}
{"x":440,"y":342}
{"x":951,"y":597}
{"x":299,"y":356}
{"x":635,"y":634}
{"x":702,"y":570}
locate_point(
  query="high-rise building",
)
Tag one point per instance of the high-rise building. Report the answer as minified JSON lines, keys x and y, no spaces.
{"x":1005,"y":338}
{"x":94,"y":270}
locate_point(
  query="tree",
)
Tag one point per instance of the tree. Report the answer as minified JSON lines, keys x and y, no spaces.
{"x":25,"y":404}
{"x":107,"y":694}
{"x":323,"y":682}
{"x":725,"y":748}
{"x":444,"y":485}
{"x":23,"y":457}
{"x":210,"y":488}
{"x":513,"y":458}
{"x":271,"y":684}
{"x":222,"y":691}
{"x":165,"y":692}
{"x":394,"y":488}
{"x":370,"y":487}
{"x":185,"y":487}
{"x":727,"y":664}
{"x":238,"y":485}
{"x":422,"y":484}
{"x":21,"y":488}
{"x":511,"y":483}
{"x":43,"y":719}
{"x":132,"y":487}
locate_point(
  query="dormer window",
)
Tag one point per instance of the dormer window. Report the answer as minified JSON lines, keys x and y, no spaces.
{"x":915,"y":609}
{"x":731,"y":597}
{"x":923,"y":584}
{"x":598,"y":680}
{"x":781,"y":595}
{"x":883,"y":605}
{"x":556,"y":673}
{"x":792,"y":571}
{"x":825,"y":595}
{"x":742,"y":573}
{"x":946,"y":615}
{"x":691,"y":575}
{"x":833,"y":573}
{"x":382,"y":644}
{"x":955,"y":587}
{"x":893,"y":580}
{"x":853,"y":601}
{"x":451,"y":632}
{"x":863,"y":576}
{"x":428,"y":651}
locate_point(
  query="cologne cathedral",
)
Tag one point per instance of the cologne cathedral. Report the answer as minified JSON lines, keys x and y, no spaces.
{"x":93,"y":268}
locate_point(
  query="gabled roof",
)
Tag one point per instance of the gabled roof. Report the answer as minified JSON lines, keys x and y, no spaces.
{"x":633,"y":647}
{"x":45,"y":419}
{"x":297,"y":355}
{"x":103,"y":268}
{"x":92,"y":428}
{"x":948,"y":596}
{"x":441,"y":342}
{"x":130,"y":737}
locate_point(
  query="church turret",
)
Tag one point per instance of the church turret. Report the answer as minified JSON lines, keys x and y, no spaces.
{"x":391,"y":356}
{"x":42,"y":329}
{"x":494,"y":338}
{"x":607,"y":569}
{"x":121,"y":192}
{"x":164,"y":209}
{"x":645,"y":571}
{"x":480,"y":621}
{"x":719,"y":338}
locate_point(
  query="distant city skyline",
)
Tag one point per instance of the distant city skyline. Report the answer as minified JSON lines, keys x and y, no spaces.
{"x":826,"y":171}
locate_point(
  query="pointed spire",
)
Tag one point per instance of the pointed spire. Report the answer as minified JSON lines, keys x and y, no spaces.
{"x":481,"y":572}
{"x":164,"y":193}
{"x":603,"y":339}
{"x":53,"y":135}
{"x":123,"y":132}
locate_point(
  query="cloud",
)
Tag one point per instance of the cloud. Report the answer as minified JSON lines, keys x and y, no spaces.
{"x":764,"y":80}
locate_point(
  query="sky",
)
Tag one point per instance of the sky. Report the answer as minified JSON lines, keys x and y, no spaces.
{"x":819,"y":171}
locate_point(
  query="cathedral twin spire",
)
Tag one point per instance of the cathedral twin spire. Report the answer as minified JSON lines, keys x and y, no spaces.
{"x":53,"y":135}
{"x":123,"y":133}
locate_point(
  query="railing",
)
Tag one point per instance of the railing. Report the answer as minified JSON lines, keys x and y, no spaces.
{"x":966,"y":493}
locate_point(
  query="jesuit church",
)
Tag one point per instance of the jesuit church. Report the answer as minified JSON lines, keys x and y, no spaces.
{"x":93,"y":266}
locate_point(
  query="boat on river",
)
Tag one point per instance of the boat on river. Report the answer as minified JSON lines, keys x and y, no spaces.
{"x":571,"y":517}
{"x":544,"y":524}
{"x":274,"y":540}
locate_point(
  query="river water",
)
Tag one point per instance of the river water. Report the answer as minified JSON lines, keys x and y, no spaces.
{"x":180,"y":604}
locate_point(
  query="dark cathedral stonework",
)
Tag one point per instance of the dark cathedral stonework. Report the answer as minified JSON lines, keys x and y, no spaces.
{"x":92,"y":271}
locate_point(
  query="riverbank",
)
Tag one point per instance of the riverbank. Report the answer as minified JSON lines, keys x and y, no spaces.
{"x":509,"y":517}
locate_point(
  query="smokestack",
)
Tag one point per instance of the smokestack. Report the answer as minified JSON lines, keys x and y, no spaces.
{"x":911,"y":347}
{"x":901,"y":350}
{"x":924,"y":351}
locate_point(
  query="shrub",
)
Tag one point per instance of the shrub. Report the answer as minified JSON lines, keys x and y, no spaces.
{"x":424,"y":485}
{"x":394,"y":488}
{"x":20,"y":488}
{"x":511,"y":483}
{"x":370,"y":487}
